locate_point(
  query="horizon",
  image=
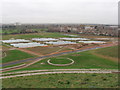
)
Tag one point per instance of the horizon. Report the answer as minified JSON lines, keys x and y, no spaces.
{"x":62,"y":23}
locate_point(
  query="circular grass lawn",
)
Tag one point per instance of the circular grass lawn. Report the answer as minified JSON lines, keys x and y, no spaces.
{"x":60,"y":61}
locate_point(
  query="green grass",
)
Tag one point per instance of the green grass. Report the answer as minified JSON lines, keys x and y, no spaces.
{"x":109,"y":51}
{"x":13,"y":55}
{"x":0,"y":31}
{"x":12,"y":65}
{"x":10,"y":31}
{"x":40,"y":30}
{"x":82,"y":60}
{"x":35,"y":35}
{"x":63,"y":81}
{"x":60,"y":61}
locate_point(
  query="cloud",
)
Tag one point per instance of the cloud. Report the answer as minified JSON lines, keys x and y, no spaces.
{"x":60,"y":11}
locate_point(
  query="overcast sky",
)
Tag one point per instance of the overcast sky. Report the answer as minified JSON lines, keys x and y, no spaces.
{"x":60,"y":11}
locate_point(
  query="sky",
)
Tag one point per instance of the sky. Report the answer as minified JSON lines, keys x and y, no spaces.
{"x":60,"y":11}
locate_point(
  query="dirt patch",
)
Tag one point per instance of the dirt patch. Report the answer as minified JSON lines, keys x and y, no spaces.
{"x":4,"y":54}
{"x":30,"y":52}
{"x":43,"y":50}
{"x":76,"y":55}
{"x":4,"y":48}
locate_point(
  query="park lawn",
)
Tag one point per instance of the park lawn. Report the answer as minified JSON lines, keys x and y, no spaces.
{"x":13,"y":55}
{"x":83,"y":60}
{"x":60,"y":61}
{"x":12,"y":65}
{"x":83,"y":80}
{"x":34,"y":35}
{"x":109,"y":51}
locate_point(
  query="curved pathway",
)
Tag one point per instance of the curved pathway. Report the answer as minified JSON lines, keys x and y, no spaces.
{"x":72,"y":61}
{"x":58,"y":72}
{"x":32,"y":71}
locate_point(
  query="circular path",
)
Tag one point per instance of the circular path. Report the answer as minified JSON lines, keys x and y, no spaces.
{"x":72,"y":61}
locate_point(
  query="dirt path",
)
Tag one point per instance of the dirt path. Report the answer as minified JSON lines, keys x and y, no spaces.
{"x":58,"y":72}
{"x":20,"y":66}
{"x":31,"y":71}
{"x":30,"y":52}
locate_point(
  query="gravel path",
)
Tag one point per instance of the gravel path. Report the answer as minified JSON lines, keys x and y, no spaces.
{"x":28,"y":71}
{"x":58,"y":72}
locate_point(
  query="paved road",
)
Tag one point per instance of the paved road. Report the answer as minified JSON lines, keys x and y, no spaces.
{"x":47,"y":56}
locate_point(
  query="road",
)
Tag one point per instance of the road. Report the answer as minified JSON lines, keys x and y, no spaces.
{"x":47,"y":56}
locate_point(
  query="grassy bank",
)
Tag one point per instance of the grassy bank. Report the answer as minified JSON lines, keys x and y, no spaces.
{"x":35,"y":35}
{"x":63,"y":81}
{"x":109,"y":51}
{"x":13,"y":55}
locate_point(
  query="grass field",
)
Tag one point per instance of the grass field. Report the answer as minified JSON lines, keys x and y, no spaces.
{"x":10,"y":31}
{"x":63,"y":81}
{"x":35,"y":35}
{"x":13,"y":55}
{"x":82,"y":60}
{"x":47,"y":34}
{"x":40,"y":30}
{"x":60,"y":61}
{"x":109,"y":51}
{"x":11,"y":65}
